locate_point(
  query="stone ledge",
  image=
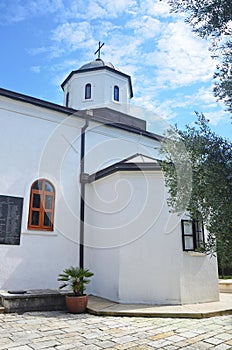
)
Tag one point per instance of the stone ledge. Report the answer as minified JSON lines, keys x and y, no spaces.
{"x":103,"y":307}
{"x":225,"y":286}
{"x":33,"y":300}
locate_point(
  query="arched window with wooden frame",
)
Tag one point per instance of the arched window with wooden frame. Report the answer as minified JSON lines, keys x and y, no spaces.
{"x":116,"y":93}
{"x":42,"y":203}
{"x":88,"y":91}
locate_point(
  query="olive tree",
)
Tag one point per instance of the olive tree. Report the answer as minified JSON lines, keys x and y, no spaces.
{"x":209,"y":193}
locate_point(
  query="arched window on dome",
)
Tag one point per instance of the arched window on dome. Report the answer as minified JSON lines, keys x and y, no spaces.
{"x":42,"y":203}
{"x":67,"y":100}
{"x":88,"y":91}
{"x":116,"y":93}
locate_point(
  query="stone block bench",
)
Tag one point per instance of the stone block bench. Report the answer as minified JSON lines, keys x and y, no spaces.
{"x":32,"y":300}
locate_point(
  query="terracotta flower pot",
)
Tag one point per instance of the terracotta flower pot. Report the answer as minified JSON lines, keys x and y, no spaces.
{"x":76,"y":304}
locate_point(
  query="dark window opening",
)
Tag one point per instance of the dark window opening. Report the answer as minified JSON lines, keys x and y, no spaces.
{"x":87,"y":91}
{"x":192,"y":235}
{"x":67,"y":100}
{"x":116,"y":93}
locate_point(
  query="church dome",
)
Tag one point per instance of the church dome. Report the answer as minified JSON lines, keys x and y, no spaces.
{"x":96,"y":63}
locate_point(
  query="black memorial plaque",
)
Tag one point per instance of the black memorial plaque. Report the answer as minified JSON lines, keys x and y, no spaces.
{"x":10,"y":219}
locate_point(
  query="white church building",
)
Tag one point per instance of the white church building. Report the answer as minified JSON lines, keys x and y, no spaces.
{"x":81,"y":184}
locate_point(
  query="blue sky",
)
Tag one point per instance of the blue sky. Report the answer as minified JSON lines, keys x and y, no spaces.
{"x":42,"y":41}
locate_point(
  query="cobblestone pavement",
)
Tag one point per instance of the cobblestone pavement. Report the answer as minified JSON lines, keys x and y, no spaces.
{"x":61,"y":331}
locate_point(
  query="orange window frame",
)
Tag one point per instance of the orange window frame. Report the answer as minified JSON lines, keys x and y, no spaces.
{"x":41,"y":209}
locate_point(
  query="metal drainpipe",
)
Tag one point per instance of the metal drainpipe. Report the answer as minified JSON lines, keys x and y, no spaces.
{"x":82,"y":194}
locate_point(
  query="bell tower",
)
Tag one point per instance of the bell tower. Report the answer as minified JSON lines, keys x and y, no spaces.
{"x":98,"y":84}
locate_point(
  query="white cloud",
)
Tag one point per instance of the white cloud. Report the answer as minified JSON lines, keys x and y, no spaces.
{"x":157,"y":8}
{"x":74,"y":35}
{"x":36,"y":69}
{"x":215,"y":117}
{"x":141,"y":38}
{"x":202,"y":101}
{"x":95,"y":11}
{"x":98,"y":9}
{"x":38,"y":50}
{"x":182,"y":58}
{"x":202,"y":97}
{"x":205,"y":96}
{"x":20,"y":10}
{"x":155,"y":108}
{"x":52,"y":51}
{"x":145,"y":26}
{"x":83,"y":10}
{"x":115,"y":8}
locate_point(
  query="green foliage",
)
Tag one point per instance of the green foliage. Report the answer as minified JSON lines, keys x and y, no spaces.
{"x":223,"y":76}
{"x":210,"y":193}
{"x":76,"y":278}
{"x":208,"y":18}
{"x":211,"y":19}
{"x":178,"y":171}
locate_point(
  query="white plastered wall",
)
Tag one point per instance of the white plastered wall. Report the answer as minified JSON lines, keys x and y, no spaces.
{"x":199,"y":278}
{"x":36,"y":144}
{"x":134,"y":257}
{"x":102,"y":89}
{"x":137,"y":257}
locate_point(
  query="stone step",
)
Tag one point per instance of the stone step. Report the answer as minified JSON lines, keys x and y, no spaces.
{"x":33,"y":300}
{"x":225,"y":286}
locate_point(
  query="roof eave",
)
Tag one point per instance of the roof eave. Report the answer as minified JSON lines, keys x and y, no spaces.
{"x":80,"y":113}
{"x":122,"y":166}
{"x":79,"y":71}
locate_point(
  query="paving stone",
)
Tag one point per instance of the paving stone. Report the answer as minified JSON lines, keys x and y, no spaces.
{"x":124,"y":339}
{"x":162,"y":335}
{"x":23,"y":347}
{"x":188,"y":334}
{"x":225,"y":336}
{"x":222,"y":347}
{"x":159,"y":344}
{"x":44,"y":344}
{"x":214,"y":341}
{"x":176,"y":338}
{"x":105,"y":344}
{"x":66,"y":347}
{"x":89,"y":347}
{"x":200,"y":346}
{"x":63,"y":331}
{"x":141,"y":347}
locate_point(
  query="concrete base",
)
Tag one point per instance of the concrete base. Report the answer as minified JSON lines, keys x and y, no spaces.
{"x":32,"y":300}
{"x":50,"y":300}
{"x":102,"y":307}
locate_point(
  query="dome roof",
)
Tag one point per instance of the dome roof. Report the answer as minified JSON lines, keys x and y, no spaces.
{"x":96,"y":63}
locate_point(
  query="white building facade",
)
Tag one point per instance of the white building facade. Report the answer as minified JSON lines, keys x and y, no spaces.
{"x":139,"y":251}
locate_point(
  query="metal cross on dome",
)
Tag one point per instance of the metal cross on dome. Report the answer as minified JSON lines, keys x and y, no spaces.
{"x":98,"y":51}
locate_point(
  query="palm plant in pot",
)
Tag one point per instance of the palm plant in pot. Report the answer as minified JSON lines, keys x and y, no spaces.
{"x":76,"y":278}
